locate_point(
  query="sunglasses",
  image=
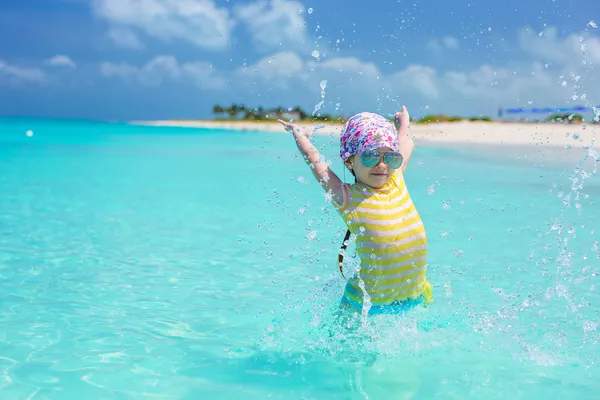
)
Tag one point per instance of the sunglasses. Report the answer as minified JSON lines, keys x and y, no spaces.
{"x":371,"y":158}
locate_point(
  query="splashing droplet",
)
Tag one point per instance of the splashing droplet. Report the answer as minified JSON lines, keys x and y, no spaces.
{"x":315,"y":53}
{"x":593,"y":24}
{"x":310,"y":10}
{"x":596,"y":114}
{"x":29,"y":133}
{"x":323,"y":85}
{"x":589,"y":326}
{"x":448,"y":287}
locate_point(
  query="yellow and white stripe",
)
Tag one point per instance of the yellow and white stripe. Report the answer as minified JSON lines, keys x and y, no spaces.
{"x":390,"y":241}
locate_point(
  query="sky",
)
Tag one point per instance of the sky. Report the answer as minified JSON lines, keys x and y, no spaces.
{"x":176,"y":59}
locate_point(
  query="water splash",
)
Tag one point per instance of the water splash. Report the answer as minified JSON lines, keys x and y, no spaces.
{"x":319,"y":105}
{"x":566,"y":229}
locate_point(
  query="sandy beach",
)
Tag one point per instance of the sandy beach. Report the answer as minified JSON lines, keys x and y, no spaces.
{"x":478,"y":133}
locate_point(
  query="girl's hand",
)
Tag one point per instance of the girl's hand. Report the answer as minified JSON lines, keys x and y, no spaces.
{"x":402,"y":119}
{"x":295,"y":129}
{"x":405,"y":142}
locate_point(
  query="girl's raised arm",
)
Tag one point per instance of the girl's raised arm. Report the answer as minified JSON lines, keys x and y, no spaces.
{"x":326,"y":177}
{"x":405,"y":142}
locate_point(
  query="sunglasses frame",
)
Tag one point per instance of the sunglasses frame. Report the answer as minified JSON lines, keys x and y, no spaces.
{"x":383,"y":156}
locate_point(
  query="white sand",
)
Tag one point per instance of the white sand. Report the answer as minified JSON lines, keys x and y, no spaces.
{"x":483,"y":133}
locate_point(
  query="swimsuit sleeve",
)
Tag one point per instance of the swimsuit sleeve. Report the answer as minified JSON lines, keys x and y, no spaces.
{"x":398,"y":179}
{"x":345,"y":198}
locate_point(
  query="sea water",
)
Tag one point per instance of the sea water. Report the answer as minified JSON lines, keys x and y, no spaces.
{"x":143,"y":262}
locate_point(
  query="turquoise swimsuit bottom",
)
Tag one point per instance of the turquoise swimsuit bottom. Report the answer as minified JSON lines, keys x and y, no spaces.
{"x":394,"y":308}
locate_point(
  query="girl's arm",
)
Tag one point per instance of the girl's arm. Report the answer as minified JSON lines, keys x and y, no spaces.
{"x":405,"y":141}
{"x":326,"y":177}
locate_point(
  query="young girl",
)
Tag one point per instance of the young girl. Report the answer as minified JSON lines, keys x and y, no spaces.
{"x":377,"y":209}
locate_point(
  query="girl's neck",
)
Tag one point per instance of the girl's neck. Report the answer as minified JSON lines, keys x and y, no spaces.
{"x":371,"y":187}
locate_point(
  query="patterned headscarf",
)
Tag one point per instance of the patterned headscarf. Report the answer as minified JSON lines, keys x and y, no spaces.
{"x":367,"y":131}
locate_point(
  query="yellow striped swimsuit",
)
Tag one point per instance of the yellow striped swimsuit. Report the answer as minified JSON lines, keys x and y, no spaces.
{"x":390,"y":241}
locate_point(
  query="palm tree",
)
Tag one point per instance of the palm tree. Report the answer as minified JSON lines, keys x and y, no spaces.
{"x":217,"y":109}
{"x":300,"y":112}
{"x":233,"y":110}
{"x":249,"y":113}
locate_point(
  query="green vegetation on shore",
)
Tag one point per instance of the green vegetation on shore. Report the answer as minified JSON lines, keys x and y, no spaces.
{"x":428,"y":119}
{"x":240,"y":112}
{"x":566,"y":118}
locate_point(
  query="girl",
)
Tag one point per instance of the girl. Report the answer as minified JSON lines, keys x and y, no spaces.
{"x":377,"y":209}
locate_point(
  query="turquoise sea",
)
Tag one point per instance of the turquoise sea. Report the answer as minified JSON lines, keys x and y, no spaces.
{"x":140,"y":262}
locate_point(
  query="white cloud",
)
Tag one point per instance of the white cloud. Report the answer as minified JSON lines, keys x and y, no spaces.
{"x":286,"y":77}
{"x":438,"y":45}
{"x":199,"y":22}
{"x":355,"y":84}
{"x":351,"y":82}
{"x":546,"y":46}
{"x":350,"y":65}
{"x":418,"y":78}
{"x":110,"y":70}
{"x":358,"y":76}
{"x":166,"y":68}
{"x":204,"y":75}
{"x":506,"y":87}
{"x":450,"y":42}
{"x":13,"y":74}
{"x":275,"y":24}
{"x":279,"y":69}
{"x":358,"y":84}
{"x":125,"y":38}
{"x":61,"y":61}
{"x":351,"y":75}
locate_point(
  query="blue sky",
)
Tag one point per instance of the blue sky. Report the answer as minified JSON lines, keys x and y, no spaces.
{"x":159,"y":59}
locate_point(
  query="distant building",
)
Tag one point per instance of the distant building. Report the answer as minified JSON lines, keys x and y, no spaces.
{"x":291,"y":115}
{"x":286,"y":115}
{"x":534,"y":113}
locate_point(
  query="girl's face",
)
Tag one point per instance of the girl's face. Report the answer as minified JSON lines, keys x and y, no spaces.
{"x":376,"y":176}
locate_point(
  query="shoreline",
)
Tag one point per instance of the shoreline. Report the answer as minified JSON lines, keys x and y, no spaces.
{"x":453,"y":133}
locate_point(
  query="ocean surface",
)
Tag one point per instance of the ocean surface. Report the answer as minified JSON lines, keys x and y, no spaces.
{"x":140,"y":262}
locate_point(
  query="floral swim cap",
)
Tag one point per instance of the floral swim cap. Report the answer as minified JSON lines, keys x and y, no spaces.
{"x":367,"y":131}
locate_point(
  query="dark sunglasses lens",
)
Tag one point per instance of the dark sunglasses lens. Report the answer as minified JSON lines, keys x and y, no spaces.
{"x":369,"y":158}
{"x":393,"y":160}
